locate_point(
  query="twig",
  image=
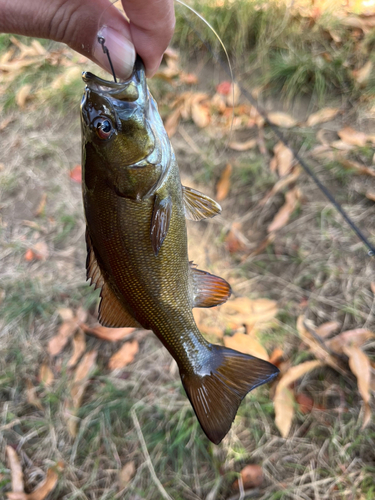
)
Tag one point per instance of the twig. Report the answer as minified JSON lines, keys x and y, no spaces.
{"x":147,"y":456}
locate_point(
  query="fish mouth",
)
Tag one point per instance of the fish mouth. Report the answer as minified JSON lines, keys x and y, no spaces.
{"x":127,"y":90}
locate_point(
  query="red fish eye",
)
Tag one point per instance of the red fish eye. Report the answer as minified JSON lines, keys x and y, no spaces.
{"x":103,"y":129}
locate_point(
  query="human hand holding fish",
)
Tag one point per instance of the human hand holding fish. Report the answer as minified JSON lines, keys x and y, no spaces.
{"x":78,"y":23}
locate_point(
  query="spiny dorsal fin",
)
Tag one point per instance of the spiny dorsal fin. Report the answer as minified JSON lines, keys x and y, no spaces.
{"x":208,"y":290}
{"x":111,"y":312}
{"x":198,"y":206}
{"x":217,"y":389}
{"x":161,"y":218}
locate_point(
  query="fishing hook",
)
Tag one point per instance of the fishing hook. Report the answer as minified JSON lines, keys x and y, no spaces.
{"x":101,"y":40}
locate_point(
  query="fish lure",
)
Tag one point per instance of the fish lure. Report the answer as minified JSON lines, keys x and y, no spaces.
{"x":135,"y":207}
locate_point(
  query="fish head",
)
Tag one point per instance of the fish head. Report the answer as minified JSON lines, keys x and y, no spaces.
{"x":117,"y":134}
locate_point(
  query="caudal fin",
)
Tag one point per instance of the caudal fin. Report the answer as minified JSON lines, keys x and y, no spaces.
{"x":218,"y":387}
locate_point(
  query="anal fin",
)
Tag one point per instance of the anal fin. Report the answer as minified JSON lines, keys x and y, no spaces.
{"x":217,"y":391}
{"x":208,"y":290}
{"x":198,"y":206}
{"x":112,"y":313}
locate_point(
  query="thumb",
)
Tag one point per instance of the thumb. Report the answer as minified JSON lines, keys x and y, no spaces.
{"x":78,"y":23}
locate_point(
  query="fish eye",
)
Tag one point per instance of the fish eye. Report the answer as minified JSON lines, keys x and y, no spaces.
{"x":103,"y":127}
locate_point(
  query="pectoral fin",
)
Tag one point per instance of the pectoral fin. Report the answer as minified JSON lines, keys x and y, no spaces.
{"x":208,"y":290}
{"x":161,"y":217}
{"x":198,"y":206}
{"x":111,"y":312}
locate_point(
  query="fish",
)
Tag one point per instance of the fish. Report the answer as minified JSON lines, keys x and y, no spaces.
{"x":136,"y":210}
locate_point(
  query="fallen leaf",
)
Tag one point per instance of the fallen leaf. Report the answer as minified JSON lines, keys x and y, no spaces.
{"x":224,"y":88}
{"x":283,"y":215}
{"x":65,"y":313}
{"x":124,"y":356}
{"x":370,"y":195}
{"x":305,"y":403}
{"x":246,"y":344}
{"x":41,"y":205}
{"x":325,"y":329}
{"x":281,"y":184}
{"x":353,"y":137}
{"x":284,"y":401}
{"x":362,"y":75}
{"x":23,"y":95}
{"x":31,"y":396}
{"x":357,"y":168}
{"x":262,"y":245}
{"x":372,"y":286}
{"x":79,"y":347}
{"x":341,"y":146}
{"x":276,"y":356}
{"x":45,"y":375}
{"x":284,"y":410}
{"x":59,"y":341}
{"x":76,"y":174}
{"x":125,"y":474}
{"x":171,"y":123}
{"x":40,"y":250}
{"x":324,"y":115}
{"x":66,"y":78}
{"x":282,"y":120}
{"x":360,"y":365}
{"x":222,"y":187}
{"x":188,"y":78}
{"x":200,"y":115}
{"x":356,"y":337}
{"x":4,"y":123}
{"x":45,"y":488}
{"x":252,"y":477}
{"x":283,"y":159}
{"x":243,"y":146}
{"x":254,"y":313}
{"x":110,"y":334}
{"x":235,"y":241}
{"x":16,"y":471}
{"x":233,"y":95}
{"x":29,"y":255}
{"x":77,"y":390}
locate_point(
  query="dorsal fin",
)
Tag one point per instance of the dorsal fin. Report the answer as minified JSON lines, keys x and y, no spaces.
{"x":161,"y":217}
{"x":112,"y":313}
{"x":208,"y":290}
{"x":198,"y":206}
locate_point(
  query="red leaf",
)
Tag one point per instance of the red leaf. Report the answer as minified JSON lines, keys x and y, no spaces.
{"x":224,"y":88}
{"x":76,"y":174}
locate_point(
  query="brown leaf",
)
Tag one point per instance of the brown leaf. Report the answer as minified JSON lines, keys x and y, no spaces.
{"x":40,"y":250}
{"x":370,"y":195}
{"x":124,"y":356}
{"x":341,"y":146}
{"x":45,"y":488}
{"x":284,"y":400}
{"x":224,"y":88}
{"x":276,"y":356}
{"x":284,"y":410}
{"x":171,"y":123}
{"x":246,"y":344}
{"x":243,"y":146}
{"x":281,"y":184}
{"x":66,"y":78}
{"x":31,"y":396}
{"x":4,"y":123}
{"x":66,"y":330}
{"x":353,"y":137}
{"x":252,"y":477}
{"x":283,"y":215}
{"x":372,"y":286}
{"x":110,"y":334}
{"x":305,"y":403}
{"x":16,"y":470}
{"x":325,"y":329}
{"x":282,"y":120}
{"x":45,"y":375}
{"x":283,"y":159}
{"x":76,"y":174}
{"x":324,"y":115}
{"x":125,"y":474}
{"x":200,"y":115}
{"x":23,"y":95}
{"x":41,"y":205}
{"x":360,"y":365}
{"x":358,"y":168}
{"x":255,"y":313}
{"x":79,"y":347}
{"x":65,"y":313}
{"x":355,"y":337}
{"x":222,"y":187}
{"x":362,"y":75}
{"x":188,"y":78}
{"x":235,"y":241}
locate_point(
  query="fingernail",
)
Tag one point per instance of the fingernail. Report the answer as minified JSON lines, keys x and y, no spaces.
{"x":121,"y":51}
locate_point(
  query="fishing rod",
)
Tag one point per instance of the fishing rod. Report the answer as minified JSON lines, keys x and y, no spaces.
{"x":277,"y":131}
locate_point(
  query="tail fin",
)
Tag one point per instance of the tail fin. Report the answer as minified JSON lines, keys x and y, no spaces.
{"x":218,"y":387}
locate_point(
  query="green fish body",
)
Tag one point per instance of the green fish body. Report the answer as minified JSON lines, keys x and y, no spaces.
{"x":135,"y":209}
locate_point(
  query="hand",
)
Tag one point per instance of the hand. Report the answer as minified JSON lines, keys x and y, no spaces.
{"x":79,"y":22}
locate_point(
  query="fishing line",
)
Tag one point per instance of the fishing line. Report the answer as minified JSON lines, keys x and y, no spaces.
{"x":101,"y":40}
{"x":280,"y":135}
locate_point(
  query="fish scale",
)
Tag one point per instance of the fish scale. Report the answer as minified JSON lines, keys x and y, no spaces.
{"x":136,"y":210}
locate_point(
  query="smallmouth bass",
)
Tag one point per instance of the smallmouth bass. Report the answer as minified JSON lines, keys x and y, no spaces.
{"x":135,"y":208}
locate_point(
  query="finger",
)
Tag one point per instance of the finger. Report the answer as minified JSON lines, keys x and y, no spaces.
{"x":152,"y":25}
{"x":76,"y":23}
